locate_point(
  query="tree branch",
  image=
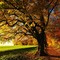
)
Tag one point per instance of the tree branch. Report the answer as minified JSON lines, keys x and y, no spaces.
{"x":15,"y":7}
{"x":49,"y":12}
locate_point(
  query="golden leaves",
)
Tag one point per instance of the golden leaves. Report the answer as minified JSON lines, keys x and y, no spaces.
{"x":32,"y":24}
{"x":1,"y":2}
{"x":9,"y":11}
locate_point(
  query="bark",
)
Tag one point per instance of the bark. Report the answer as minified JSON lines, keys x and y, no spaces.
{"x":42,"y":43}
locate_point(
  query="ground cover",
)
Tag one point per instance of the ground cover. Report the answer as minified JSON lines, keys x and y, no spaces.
{"x":6,"y":48}
{"x":17,"y":52}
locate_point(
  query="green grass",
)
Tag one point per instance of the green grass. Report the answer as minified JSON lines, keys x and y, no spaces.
{"x":7,"y":48}
{"x":17,"y":52}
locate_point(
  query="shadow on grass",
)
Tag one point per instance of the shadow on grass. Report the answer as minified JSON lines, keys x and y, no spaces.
{"x":17,"y":51}
{"x":17,"y":54}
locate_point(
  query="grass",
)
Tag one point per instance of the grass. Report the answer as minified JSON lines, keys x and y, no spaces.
{"x":8,"y":48}
{"x":16,"y":52}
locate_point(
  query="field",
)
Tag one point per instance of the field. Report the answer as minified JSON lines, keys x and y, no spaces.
{"x":7,"y":48}
{"x":13,"y":52}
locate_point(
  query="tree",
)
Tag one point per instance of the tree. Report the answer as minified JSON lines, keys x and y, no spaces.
{"x":32,"y":16}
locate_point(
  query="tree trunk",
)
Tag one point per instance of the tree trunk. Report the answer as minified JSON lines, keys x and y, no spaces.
{"x":42,"y":43}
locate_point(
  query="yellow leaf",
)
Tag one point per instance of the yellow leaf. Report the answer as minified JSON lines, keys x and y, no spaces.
{"x":1,"y":3}
{"x":9,"y":11}
{"x":26,"y":23}
{"x":1,"y":31}
{"x":45,"y":18}
{"x":31,"y":25}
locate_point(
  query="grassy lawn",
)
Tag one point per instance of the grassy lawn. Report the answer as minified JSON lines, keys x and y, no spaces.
{"x":17,"y":52}
{"x":7,"y":48}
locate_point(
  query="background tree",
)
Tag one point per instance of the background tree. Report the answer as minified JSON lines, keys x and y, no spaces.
{"x":32,"y":17}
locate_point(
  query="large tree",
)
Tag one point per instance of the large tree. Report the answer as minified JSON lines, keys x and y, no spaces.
{"x":32,"y":16}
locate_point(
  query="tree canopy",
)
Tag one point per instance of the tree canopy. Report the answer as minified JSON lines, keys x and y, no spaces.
{"x":28,"y":17}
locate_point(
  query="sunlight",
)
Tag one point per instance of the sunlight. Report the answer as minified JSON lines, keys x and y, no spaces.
{"x":7,"y":43}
